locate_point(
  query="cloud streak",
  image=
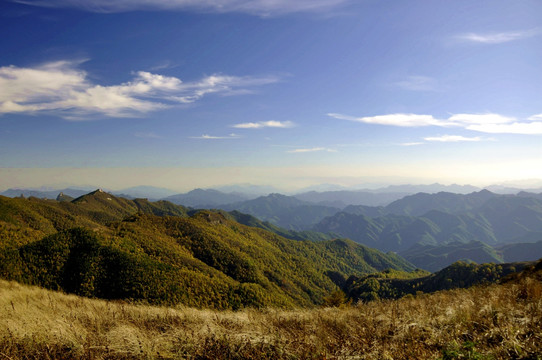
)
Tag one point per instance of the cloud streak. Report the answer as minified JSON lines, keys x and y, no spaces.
{"x":257,"y":7}
{"x":63,"y":89}
{"x":308,"y":150}
{"x":497,"y":37}
{"x":401,"y":120}
{"x":412,"y":143}
{"x":264,"y":124}
{"x":486,"y":123}
{"x":212,"y":137}
{"x":222,"y":84}
{"x":453,"y":138}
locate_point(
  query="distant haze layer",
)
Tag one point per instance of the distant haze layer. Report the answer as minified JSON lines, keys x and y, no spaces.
{"x":283,"y":179}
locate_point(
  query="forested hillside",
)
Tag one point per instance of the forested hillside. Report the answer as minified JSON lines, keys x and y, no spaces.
{"x":99,"y":245}
{"x":393,"y":284}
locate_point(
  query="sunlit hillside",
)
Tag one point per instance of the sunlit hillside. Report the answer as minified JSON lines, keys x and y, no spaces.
{"x":108,"y":247}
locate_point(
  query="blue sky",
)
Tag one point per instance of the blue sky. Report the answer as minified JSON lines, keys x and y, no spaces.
{"x":184,"y":94}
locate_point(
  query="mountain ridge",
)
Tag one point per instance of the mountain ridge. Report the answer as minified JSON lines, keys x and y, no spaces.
{"x":441,"y":219}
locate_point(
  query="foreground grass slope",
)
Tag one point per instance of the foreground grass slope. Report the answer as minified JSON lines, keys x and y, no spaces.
{"x":493,"y":322}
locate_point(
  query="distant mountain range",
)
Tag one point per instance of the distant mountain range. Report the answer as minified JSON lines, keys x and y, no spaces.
{"x":325,"y":194}
{"x":149,"y":192}
{"x":206,"y":199}
{"x":43,"y":194}
{"x":285,"y":211}
{"x":434,"y":230}
{"x":343,"y":198}
{"x":431,"y":230}
{"x":250,"y":190}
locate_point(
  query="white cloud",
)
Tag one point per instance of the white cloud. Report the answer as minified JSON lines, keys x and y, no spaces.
{"x":61,"y":88}
{"x":487,"y":123}
{"x":480,"y":119}
{"x":498,"y":124}
{"x":497,"y":37}
{"x":223,"y":84}
{"x":418,"y":83}
{"x":315,"y":149}
{"x":412,"y":144}
{"x":523,"y":128}
{"x":258,"y":7}
{"x":211,"y":137}
{"x":452,"y":138}
{"x":264,"y":124}
{"x":402,"y":120}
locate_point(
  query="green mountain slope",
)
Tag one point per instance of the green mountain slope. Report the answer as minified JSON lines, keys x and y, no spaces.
{"x":393,"y":285}
{"x":132,"y":249}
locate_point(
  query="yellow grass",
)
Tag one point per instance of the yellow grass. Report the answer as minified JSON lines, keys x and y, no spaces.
{"x":497,"y":322}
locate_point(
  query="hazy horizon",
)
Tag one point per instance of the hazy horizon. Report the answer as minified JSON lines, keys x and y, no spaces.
{"x":361,"y":184}
{"x":291,"y":94}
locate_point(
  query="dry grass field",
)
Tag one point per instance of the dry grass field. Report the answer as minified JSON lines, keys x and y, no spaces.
{"x":495,"y":322}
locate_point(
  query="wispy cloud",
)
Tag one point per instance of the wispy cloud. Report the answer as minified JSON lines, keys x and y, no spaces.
{"x":258,"y":7}
{"x":497,"y":37}
{"x":403,"y":120}
{"x":307,"y":150}
{"x":417,"y":83}
{"x":61,"y":88}
{"x":452,"y":138}
{"x":264,"y":124}
{"x":164,"y":65}
{"x":537,"y":117}
{"x":412,"y":143}
{"x":525,"y":128}
{"x":221,"y":84}
{"x":212,"y":137}
{"x":498,"y":124}
{"x":486,"y":123}
{"x":446,"y":139}
{"x":480,"y":119}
